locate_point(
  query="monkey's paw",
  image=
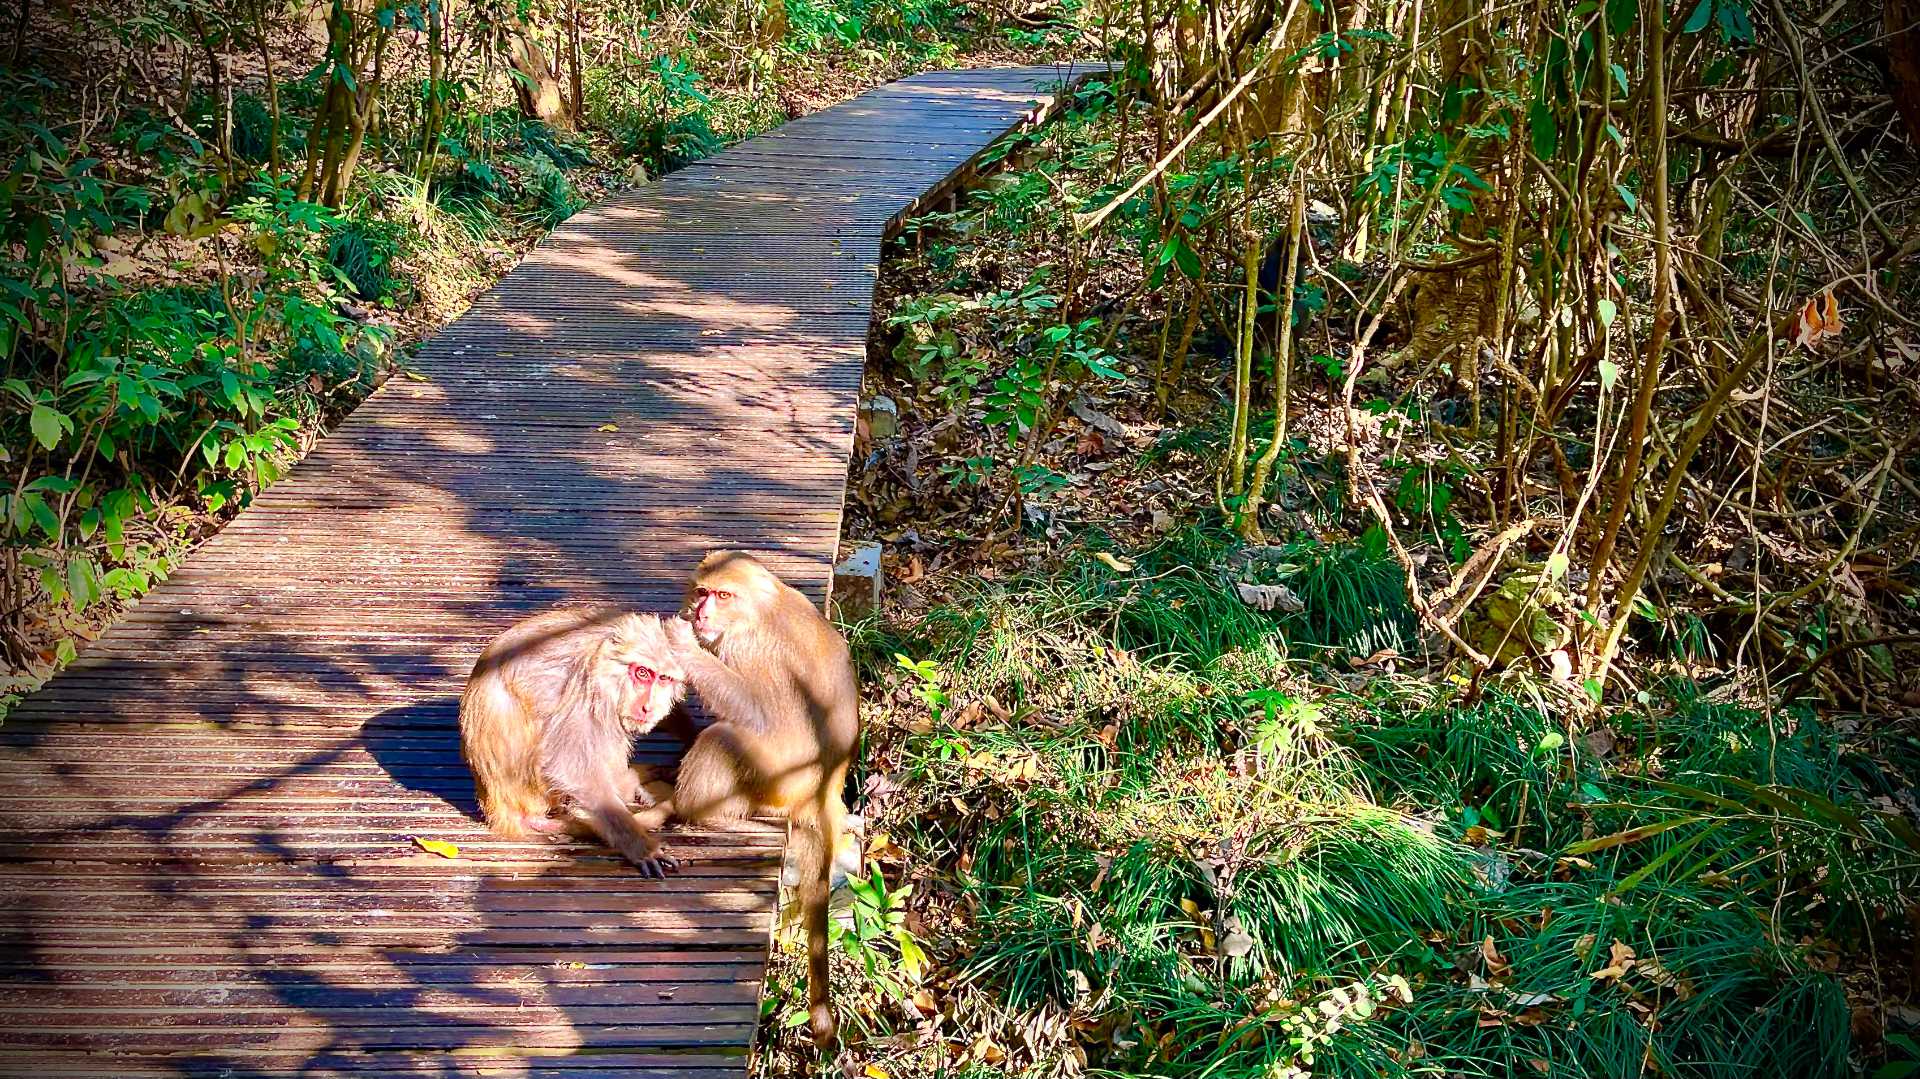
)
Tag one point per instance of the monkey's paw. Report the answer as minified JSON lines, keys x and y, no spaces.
{"x":653,"y":860}
{"x":680,"y":635}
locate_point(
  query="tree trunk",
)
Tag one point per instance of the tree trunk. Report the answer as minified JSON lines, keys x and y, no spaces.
{"x":535,"y":83}
{"x":1903,"y":62}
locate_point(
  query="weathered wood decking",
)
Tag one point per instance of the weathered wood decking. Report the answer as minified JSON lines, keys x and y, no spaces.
{"x":205,"y":862}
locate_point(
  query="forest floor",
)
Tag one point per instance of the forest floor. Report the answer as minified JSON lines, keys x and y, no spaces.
{"x":1144,"y":798}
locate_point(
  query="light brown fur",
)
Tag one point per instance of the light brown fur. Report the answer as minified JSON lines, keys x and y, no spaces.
{"x":780,"y":684}
{"x":548,"y":720}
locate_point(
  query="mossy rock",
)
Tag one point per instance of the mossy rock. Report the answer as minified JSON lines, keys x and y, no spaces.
{"x":1520,"y":618}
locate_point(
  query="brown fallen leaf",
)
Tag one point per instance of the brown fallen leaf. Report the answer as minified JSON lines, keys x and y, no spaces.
{"x":1619,"y":962}
{"x":1819,"y":320}
{"x":1497,"y":965}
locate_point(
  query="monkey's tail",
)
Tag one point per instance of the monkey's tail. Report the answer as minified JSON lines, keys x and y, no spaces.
{"x":815,"y":829}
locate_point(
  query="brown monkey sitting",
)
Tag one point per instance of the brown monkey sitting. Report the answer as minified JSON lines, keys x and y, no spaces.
{"x":548,"y":720}
{"x":780,"y":685}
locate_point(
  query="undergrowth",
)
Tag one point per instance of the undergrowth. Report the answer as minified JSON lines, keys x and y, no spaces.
{"x":1144,"y":829}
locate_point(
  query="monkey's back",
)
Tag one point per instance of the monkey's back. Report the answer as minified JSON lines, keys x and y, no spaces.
{"x":820,"y":668}
{"x":501,"y":720}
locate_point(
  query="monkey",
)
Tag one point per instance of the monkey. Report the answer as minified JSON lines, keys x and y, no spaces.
{"x":548,"y":720}
{"x":779,"y":682}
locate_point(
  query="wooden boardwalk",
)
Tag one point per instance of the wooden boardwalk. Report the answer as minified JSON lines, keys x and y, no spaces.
{"x":206,"y":863}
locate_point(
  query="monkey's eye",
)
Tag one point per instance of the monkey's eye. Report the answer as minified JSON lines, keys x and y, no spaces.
{"x":639,"y":673}
{"x":723,"y":595}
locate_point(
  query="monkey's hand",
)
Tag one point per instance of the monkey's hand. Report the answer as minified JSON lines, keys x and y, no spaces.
{"x":680,"y":636}
{"x":650,"y":856}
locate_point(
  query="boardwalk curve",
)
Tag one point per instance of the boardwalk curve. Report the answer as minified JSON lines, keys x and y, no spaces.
{"x":206,"y":862}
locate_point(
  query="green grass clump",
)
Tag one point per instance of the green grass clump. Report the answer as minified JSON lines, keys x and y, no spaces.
{"x":363,"y":250}
{"x":1163,"y":838}
{"x":1172,"y":852}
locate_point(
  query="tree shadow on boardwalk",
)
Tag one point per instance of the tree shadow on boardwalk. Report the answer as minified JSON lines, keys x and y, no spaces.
{"x":558,"y":959}
{"x":209,"y":866}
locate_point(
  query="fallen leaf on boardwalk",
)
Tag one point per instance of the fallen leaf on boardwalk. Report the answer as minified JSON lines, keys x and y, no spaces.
{"x":1819,"y":320}
{"x":711,"y":333}
{"x":608,"y":427}
{"x":1618,"y":963}
{"x":437,"y":846}
{"x":1112,"y":563}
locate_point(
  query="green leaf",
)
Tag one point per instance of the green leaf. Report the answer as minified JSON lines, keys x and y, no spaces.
{"x":1632,"y":835}
{"x":1609,"y":374}
{"x":1702,"y":14}
{"x":42,"y":514}
{"x":1608,"y":312}
{"x":1633,"y":879}
{"x":1628,"y":197}
{"x":1544,"y":132}
{"x":80,"y":581}
{"x":47,"y":424}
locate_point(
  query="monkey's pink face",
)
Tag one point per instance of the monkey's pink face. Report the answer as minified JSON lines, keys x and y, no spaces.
{"x":640,"y":661}
{"x":729,"y":593}
{"x":654,"y":695}
{"x":710,"y":612}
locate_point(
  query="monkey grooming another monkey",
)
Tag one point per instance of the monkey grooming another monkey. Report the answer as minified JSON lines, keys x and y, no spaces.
{"x":549,"y":717}
{"x":780,"y":685}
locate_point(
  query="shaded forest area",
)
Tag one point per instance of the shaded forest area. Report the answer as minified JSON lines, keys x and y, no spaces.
{"x":225,"y":223}
{"x":1399,"y":520}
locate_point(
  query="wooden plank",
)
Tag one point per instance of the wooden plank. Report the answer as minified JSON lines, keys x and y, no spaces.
{"x":207,"y":852}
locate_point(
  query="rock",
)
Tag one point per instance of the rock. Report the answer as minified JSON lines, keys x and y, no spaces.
{"x":1271,"y":597}
{"x":1082,"y":407}
{"x":881,"y":416}
{"x":856,"y":584}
